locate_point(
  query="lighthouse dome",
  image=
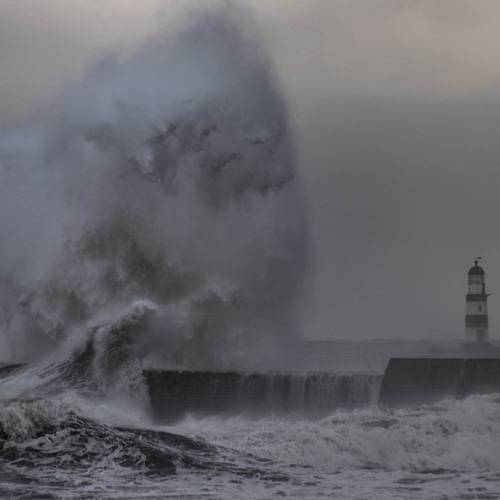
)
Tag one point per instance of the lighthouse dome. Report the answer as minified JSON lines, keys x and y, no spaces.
{"x":475,"y":269}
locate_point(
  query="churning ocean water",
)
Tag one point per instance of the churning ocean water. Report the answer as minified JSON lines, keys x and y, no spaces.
{"x":81,"y":428}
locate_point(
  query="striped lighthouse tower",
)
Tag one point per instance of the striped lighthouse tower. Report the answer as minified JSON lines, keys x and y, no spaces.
{"x":476,"y":310}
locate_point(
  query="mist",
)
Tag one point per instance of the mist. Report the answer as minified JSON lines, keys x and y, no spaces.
{"x":161,"y":188}
{"x":393,"y":109}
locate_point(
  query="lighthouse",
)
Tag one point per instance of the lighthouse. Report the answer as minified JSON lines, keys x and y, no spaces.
{"x":476,"y":310}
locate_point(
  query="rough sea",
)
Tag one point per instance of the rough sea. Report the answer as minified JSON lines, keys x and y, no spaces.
{"x":69,"y":431}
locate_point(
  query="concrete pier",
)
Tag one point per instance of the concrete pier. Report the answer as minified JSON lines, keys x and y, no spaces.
{"x":406,"y":382}
{"x":174,"y":394}
{"x":414,"y":381}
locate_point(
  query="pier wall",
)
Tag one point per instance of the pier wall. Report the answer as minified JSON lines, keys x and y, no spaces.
{"x":414,"y":381}
{"x":174,"y":394}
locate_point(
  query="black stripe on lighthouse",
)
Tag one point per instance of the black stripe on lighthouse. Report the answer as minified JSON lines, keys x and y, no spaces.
{"x":476,"y":297}
{"x":476,"y":320}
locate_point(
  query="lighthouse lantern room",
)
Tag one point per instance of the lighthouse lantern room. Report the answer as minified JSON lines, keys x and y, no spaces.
{"x":476,"y":311}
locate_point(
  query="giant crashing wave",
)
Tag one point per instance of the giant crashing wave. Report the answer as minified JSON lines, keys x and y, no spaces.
{"x":167,"y":177}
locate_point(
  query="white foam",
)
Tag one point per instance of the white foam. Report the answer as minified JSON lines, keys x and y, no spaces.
{"x":454,"y":435}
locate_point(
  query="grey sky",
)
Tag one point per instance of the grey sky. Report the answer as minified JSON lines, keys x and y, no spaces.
{"x":397,"y":114}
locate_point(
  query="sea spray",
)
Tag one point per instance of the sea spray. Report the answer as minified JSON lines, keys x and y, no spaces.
{"x":168,"y":176}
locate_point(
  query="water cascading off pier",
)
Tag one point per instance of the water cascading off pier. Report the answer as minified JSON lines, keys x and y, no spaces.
{"x":406,"y":382}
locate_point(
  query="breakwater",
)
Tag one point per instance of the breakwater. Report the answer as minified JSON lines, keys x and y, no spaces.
{"x":405,"y":382}
{"x":176,"y":393}
{"x":414,"y":381}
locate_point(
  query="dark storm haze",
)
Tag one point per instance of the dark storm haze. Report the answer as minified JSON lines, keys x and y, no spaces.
{"x":162,"y":186}
{"x":393,"y":108}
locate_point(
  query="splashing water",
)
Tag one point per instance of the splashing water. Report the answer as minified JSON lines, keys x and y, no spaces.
{"x":167,"y":176}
